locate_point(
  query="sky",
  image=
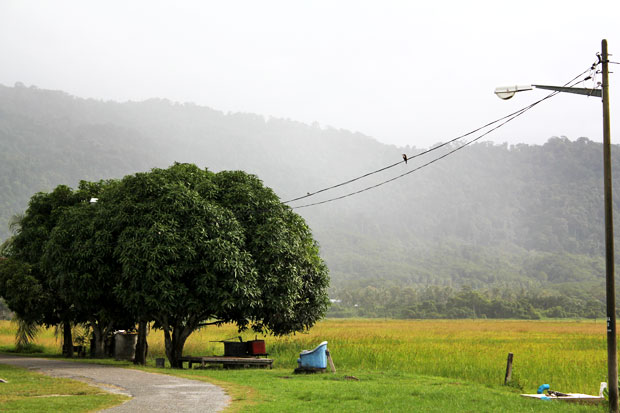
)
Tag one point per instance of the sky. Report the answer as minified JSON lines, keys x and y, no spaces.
{"x":403,"y":72}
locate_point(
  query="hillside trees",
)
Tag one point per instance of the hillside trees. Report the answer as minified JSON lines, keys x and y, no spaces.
{"x":566,"y":300}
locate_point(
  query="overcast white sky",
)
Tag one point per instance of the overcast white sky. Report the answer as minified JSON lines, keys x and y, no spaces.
{"x":403,"y":72}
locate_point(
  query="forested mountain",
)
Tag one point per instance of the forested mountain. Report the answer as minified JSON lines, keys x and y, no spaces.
{"x":523,"y":220}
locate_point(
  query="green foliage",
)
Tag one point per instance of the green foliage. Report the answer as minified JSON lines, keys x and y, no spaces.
{"x":527,"y":285}
{"x":78,"y":258}
{"x":181,"y":246}
{"x":444,"y":302}
{"x":22,"y":291}
{"x":292,"y":277}
{"x":24,"y":282}
{"x":26,"y":333}
{"x":194,"y":246}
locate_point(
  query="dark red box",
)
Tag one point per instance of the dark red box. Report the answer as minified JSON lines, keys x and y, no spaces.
{"x":256,"y":347}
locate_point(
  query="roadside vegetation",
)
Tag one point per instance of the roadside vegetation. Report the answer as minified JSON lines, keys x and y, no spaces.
{"x":401,"y":365}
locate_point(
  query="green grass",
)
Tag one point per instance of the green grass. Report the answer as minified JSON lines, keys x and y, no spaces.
{"x":27,"y":391}
{"x":440,"y":365}
{"x":279,"y":390}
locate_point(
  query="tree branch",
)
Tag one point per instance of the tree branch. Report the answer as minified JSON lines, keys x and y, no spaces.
{"x":213,"y":323}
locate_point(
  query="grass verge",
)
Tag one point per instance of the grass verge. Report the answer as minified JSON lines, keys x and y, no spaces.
{"x":26,"y":391}
{"x":279,"y":390}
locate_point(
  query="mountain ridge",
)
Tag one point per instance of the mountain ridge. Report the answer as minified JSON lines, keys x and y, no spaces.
{"x":483,"y":217}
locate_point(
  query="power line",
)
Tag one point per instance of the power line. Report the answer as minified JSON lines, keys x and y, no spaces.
{"x":505,"y":119}
{"x":309,"y":194}
{"x":516,"y":113}
{"x":413,"y":170}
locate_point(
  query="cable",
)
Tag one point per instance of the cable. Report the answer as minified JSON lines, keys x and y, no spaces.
{"x":415,"y":169}
{"x":309,"y":194}
{"x":507,"y":118}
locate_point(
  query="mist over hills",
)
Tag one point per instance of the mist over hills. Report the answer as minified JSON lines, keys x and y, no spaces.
{"x":498,"y":219}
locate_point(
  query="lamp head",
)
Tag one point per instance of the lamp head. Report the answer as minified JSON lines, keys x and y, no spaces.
{"x":506,"y":92}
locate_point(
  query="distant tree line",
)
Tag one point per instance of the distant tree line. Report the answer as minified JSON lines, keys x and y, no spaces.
{"x":444,"y":302}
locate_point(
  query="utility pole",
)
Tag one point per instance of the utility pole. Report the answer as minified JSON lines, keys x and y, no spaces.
{"x":508,"y":92}
{"x":612,"y":355}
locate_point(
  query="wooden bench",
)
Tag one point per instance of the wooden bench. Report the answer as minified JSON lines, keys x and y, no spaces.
{"x":226,"y":361}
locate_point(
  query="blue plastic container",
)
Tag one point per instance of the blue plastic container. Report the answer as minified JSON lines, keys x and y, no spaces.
{"x":316,"y":358}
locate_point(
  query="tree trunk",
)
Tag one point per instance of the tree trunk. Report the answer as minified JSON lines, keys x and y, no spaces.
{"x":175,"y":343}
{"x":99,"y":340}
{"x":67,"y":338}
{"x":142,"y":347}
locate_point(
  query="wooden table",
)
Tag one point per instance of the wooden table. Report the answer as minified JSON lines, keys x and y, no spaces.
{"x":226,"y":361}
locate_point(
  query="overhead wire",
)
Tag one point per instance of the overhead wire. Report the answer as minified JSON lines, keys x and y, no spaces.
{"x":506,"y":119}
{"x":434,"y":148}
{"x":516,"y":113}
{"x":413,"y":170}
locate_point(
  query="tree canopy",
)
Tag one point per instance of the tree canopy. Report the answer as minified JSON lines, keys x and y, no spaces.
{"x":196,"y":247}
{"x":25,"y":265}
{"x":183,"y":247}
{"x":81,"y":269}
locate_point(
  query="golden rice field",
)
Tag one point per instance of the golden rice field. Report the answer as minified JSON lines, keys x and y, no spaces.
{"x":569,"y":355}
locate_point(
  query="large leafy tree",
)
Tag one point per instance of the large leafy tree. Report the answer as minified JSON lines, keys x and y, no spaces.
{"x":78,"y":258}
{"x":24,"y":283}
{"x":200,"y":248}
{"x":61,"y":268}
{"x":22,"y":291}
{"x":291,"y":275}
{"x":183,"y":247}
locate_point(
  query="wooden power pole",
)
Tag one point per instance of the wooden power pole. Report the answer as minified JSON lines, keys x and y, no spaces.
{"x":612,"y":355}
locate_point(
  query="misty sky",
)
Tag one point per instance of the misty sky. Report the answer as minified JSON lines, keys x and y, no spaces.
{"x":403,"y":72}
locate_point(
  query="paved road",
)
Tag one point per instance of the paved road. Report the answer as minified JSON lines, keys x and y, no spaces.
{"x":150,"y":392}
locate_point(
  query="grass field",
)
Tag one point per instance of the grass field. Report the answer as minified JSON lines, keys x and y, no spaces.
{"x":567,"y":355}
{"x":433,"y":365}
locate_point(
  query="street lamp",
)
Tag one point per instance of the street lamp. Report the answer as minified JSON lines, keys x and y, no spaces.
{"x":612,"y":356}
{"x":506,"y":92}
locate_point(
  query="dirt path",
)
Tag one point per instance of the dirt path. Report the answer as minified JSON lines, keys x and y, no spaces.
{"x":150,"y":392}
